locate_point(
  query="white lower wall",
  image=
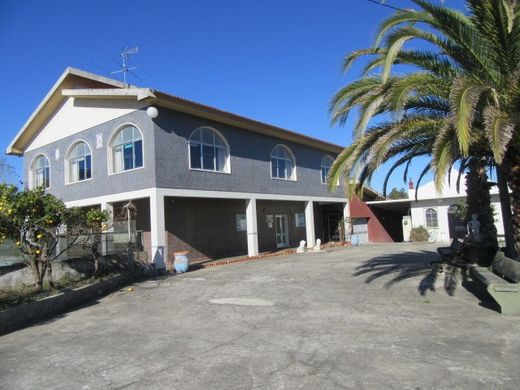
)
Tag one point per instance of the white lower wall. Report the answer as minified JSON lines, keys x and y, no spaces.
{"x":442,"y":232}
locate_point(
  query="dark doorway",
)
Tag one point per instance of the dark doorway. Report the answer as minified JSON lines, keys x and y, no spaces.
{"x":331,"y":225}
{"x":454,"y":221}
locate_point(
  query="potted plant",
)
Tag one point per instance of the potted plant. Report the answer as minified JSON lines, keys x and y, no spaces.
{"x":182,"y":261}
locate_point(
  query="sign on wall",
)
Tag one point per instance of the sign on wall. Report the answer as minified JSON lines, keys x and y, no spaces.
{"x":99,"y":141}
{"x":269,"y":220}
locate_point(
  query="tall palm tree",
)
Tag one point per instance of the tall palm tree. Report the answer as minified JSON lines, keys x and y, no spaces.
{"x":480,"y":55}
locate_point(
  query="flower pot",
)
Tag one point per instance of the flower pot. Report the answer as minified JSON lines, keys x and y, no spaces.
{"x":181,"y":262}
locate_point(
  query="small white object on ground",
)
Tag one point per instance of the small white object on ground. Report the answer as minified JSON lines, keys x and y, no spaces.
{"x":317,"y":247}
{"x":301,"y":248}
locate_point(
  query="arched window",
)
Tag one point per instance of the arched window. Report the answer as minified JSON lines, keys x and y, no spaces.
{"x":431,"y":218}
{"x":79,"y":162}
{"x":127,"y":149}
{"x":40,"y":172}
{"x":282,"y":163}
{"x":326,"y":163}
{"x":209,"y":151}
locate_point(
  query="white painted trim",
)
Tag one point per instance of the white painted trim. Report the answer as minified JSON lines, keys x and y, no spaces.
{"x":310,"y":230}
{"x":252,"y":227}
{"x":173,"y":192}
{"x":30,"y":173}
{"x":295,"y":174}
{"x":346,"y":219}
{"x":67,"y":165}
{"x":110,"y":154}
{"x":209,"y":171}
{"x":112,"y":198}
{"x":227,"y":168}
{"x":96,"y":93}
{"x":158,"y":230}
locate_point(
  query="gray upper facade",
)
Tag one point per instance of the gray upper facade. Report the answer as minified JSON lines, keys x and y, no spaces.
{"x":165,"y":144}
{"x":166,"y":160}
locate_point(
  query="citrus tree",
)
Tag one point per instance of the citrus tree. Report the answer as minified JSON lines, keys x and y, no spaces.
{"x":95,"y":223}
{"x":34,"y":220}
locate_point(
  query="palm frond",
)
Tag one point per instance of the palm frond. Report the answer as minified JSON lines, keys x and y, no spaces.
{"x":499,"y":130}
{"x":464,"y":97}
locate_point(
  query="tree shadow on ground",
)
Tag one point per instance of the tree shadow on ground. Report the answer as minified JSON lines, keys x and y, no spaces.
{"x":402,"y":266}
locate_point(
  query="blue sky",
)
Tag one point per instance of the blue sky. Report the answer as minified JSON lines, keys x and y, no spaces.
{"x":273,"y":61}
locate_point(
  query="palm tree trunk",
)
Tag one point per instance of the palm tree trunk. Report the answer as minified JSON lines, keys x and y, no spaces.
{"x":479,"y":202}
{"x":505,"y":206}
{"x":513,"y":176}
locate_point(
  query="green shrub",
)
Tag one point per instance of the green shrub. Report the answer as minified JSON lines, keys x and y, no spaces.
{"x":419,"y":234}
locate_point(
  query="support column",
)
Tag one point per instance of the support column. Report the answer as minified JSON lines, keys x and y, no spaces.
{"x":158,"y":230}
{"x":106,"y":239}
{"x":309,"y":224}
{"x":252,"y":227}
{"x":347,"y":221}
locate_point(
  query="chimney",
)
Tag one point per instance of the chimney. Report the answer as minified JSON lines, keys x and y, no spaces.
{"x":411,"y":190}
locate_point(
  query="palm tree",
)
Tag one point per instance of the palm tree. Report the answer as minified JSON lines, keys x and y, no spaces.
{"x":479,"y":54}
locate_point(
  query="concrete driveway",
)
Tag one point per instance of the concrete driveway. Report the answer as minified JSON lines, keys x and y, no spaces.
{"x":348,"y":318}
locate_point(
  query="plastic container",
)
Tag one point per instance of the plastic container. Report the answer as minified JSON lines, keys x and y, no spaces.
{"x":354,"y":240}
{"x":181,"y":262}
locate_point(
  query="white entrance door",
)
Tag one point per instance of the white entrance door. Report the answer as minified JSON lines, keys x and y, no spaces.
{"x":282,"y":230}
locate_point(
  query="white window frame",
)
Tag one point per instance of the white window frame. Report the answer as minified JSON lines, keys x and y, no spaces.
{"x":68,"y":165}
{"x":436,"y":218}
{"x":293,"y":176}
{"x":298,"y":217}
{"x":326,"y":158}
{"x":110,"y":149}
{"x":216,"y":133}
{"x":241,"y":222}
{"x":32,"y":171}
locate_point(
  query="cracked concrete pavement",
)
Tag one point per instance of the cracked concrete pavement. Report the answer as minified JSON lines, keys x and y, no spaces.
{"x":346,"y":318}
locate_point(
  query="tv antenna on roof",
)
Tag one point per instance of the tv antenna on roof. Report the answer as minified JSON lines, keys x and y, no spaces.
{"x":124,"y":66}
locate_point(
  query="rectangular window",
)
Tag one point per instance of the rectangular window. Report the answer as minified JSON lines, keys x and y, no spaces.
{"x":128,"y":158}
{"x":195,"y":156}
{"x":221,"y":159}
{"x":118,"y":158}
{"x":299,"y":220}
{"x":208,"y":157}
{"x":88,"y":162}
{"x":288,"y":169}
{"x":241,"y":223}
{"x":324,"y":174}
{"x":81,"y":170}
{"x":281,"y":169}
{"x":46,"y":177}
{"x":274,"y":168}
{"x":74,"y":171}
{"x":138,"y":150}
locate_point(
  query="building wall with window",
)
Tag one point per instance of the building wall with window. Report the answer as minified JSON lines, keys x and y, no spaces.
{"x":166,"y":160}
{"x":249,"y":165}
{"x":441,"y":231}
{"x":103,"y":180}
{"x":244,"y":173}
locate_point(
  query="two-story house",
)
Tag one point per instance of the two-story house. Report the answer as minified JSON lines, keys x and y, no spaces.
{"x":202,"y":179}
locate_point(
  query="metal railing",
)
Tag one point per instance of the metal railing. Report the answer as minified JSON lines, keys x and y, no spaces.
{"x":110,"y":243}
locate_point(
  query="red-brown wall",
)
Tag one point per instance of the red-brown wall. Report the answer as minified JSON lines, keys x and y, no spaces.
{"x":376,"y":231}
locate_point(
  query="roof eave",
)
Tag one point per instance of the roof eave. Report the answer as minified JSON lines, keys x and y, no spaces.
{"x":193,"y":108}
{"x":67,"y":79}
